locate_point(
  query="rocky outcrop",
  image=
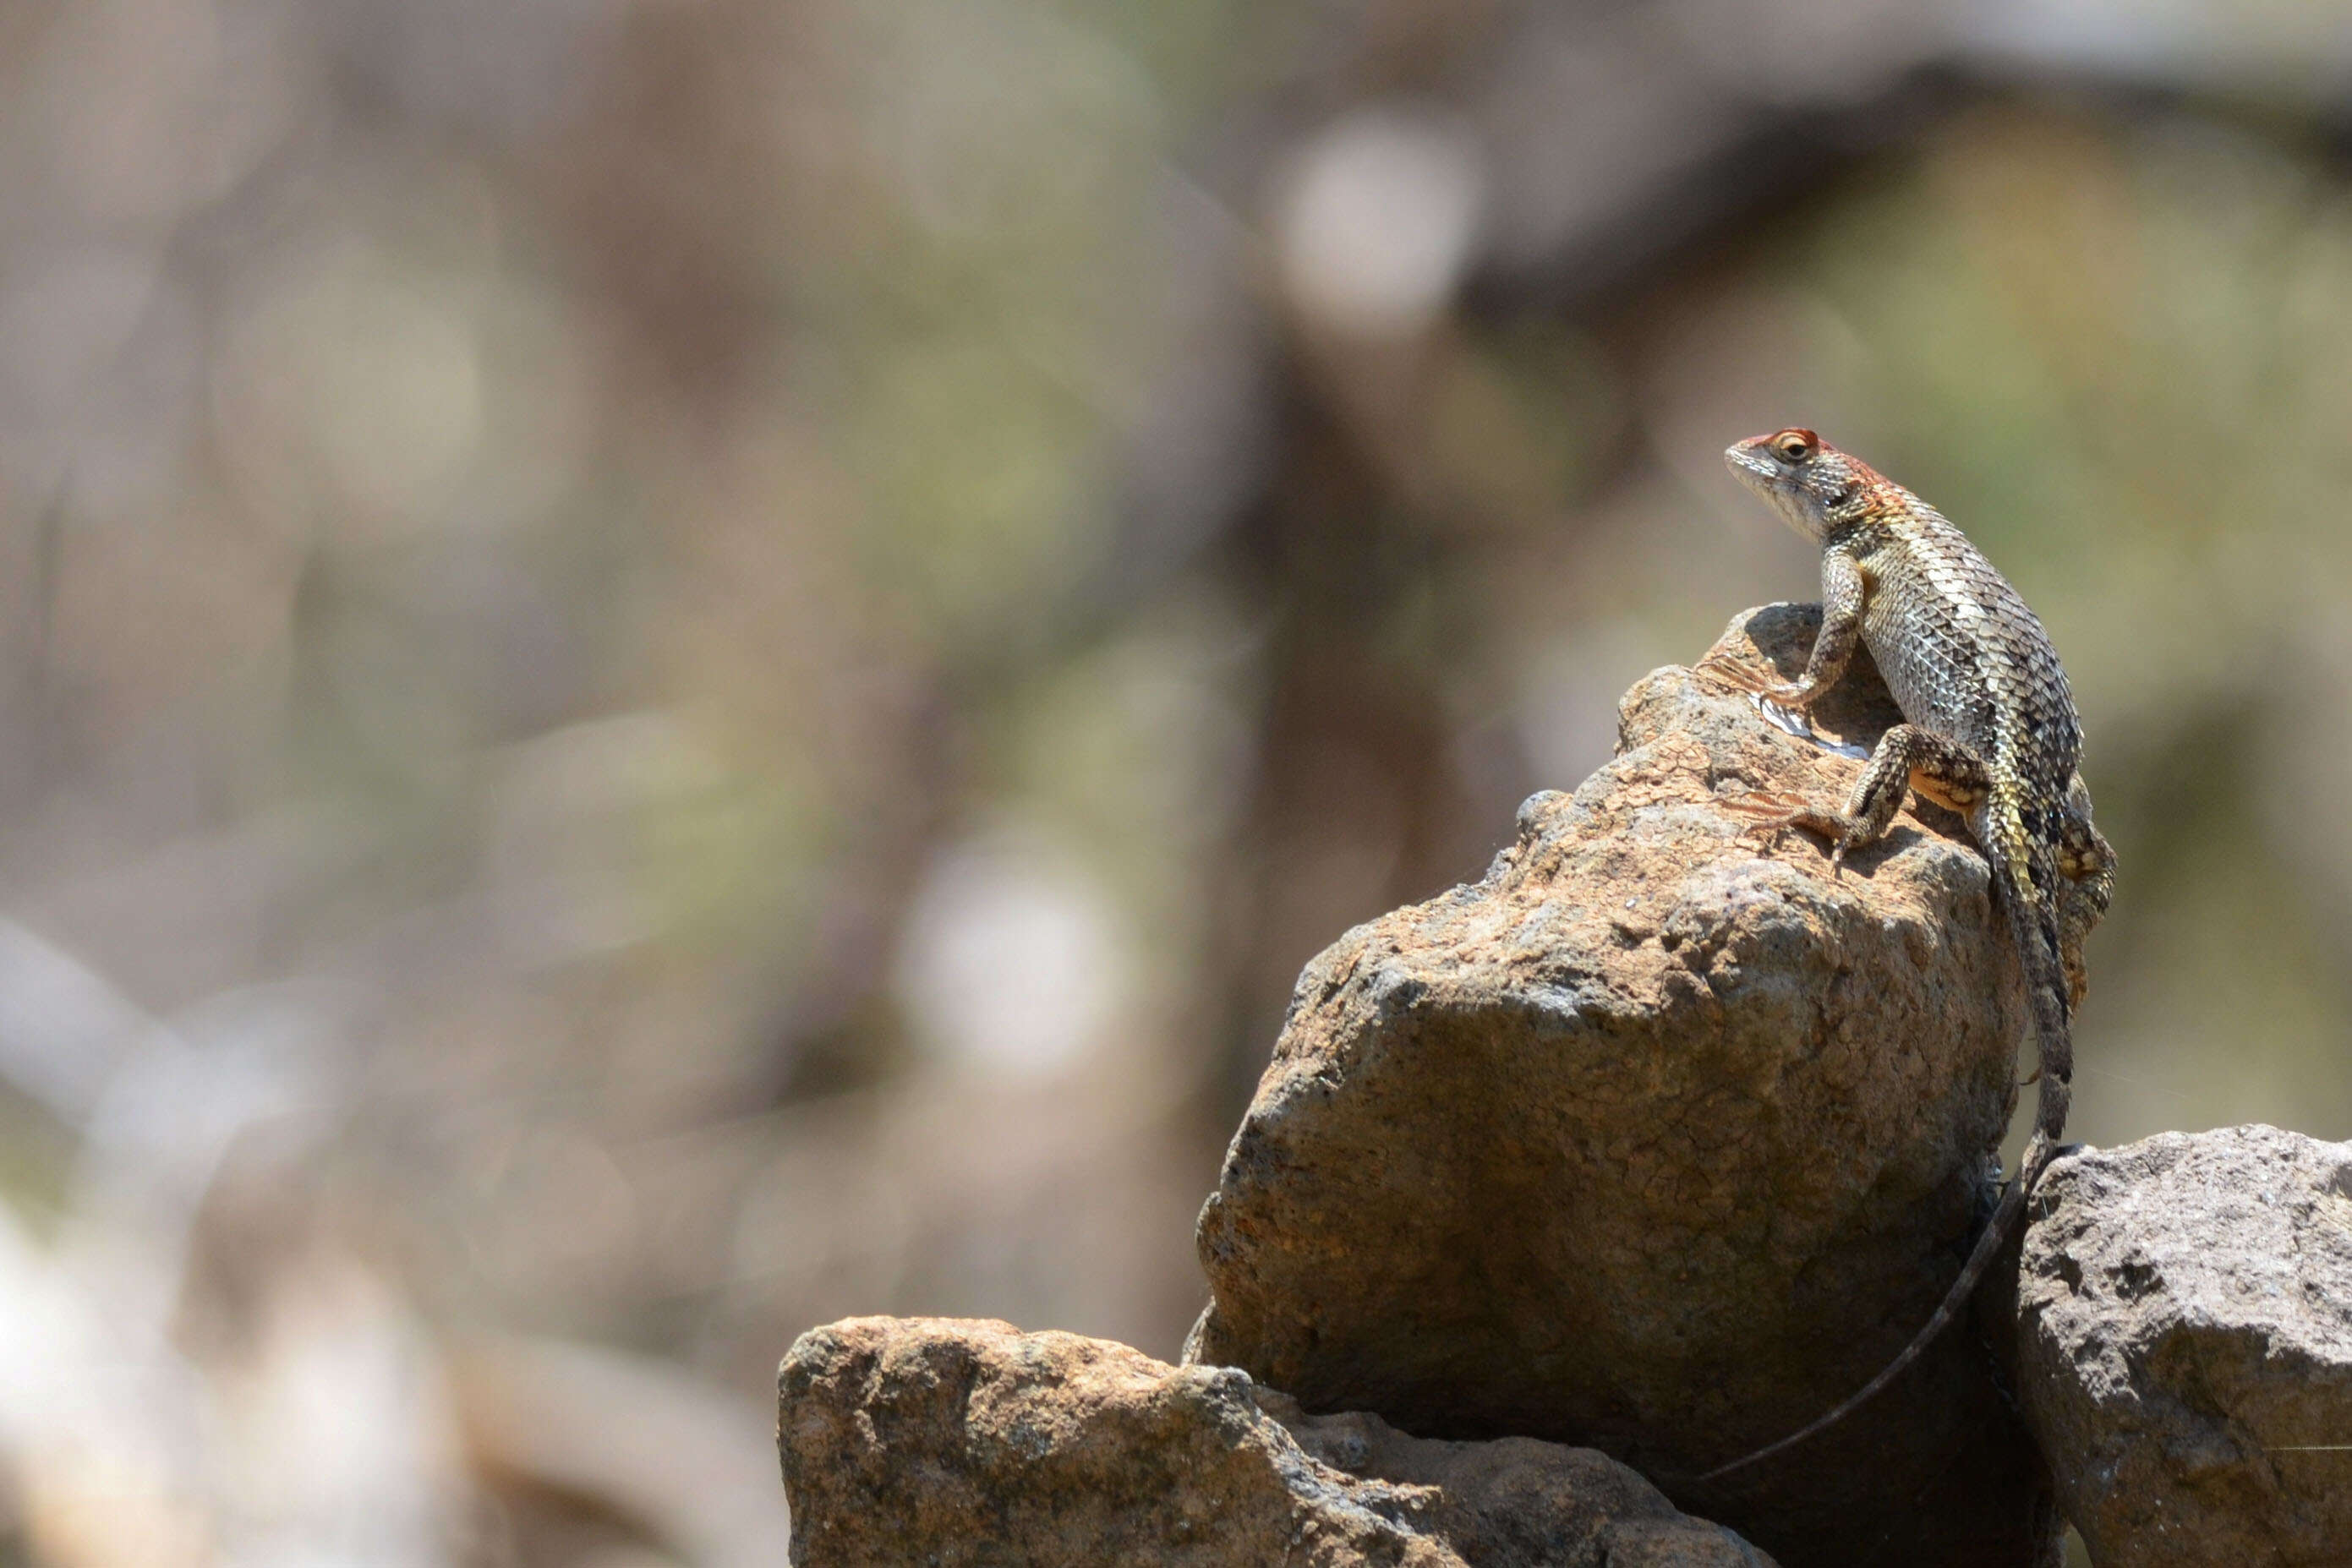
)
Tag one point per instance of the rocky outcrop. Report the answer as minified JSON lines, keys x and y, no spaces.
{"x":947,"y":1443}
{"x":2185,"y":1306}
{"x":1658,"y":1141}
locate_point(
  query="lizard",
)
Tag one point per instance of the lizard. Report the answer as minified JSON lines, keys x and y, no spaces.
{"x":1991,"y":732}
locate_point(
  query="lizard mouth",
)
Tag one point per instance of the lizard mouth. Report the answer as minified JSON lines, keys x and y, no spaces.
{"x":1774,"y":483}
{"x":1751,"y":465}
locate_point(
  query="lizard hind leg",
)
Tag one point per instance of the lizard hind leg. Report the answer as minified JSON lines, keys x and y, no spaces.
{"x":1906,"y":757}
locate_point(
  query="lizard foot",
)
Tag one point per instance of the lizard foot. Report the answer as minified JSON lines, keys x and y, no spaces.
{"x":1777,"y":813}
{"x":1720,"y":671}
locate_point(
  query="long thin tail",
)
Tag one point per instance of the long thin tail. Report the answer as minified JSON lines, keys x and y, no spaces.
{"x":2037,"y":1155}
{"x":2035,"y":927}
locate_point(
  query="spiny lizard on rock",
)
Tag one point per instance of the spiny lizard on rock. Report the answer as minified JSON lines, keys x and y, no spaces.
{"x":1992,"y":734}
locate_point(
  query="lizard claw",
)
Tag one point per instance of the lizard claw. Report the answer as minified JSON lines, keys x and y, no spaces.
{"x":1729,"y":673}
{"x":1762,"y":803}
{"x":1775,"y":814}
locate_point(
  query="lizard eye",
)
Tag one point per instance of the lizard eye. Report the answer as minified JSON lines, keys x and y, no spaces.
{"x":1795,"y":446}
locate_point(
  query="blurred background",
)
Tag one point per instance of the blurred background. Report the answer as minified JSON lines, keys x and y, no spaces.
{"x":673,"y":668}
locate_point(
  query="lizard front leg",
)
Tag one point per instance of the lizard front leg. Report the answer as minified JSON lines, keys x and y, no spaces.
{"x":1843,"y":595}
{"x":1908,"y":758}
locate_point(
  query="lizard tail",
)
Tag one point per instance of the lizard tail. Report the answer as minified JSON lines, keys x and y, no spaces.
{"x":2034,"y":923}
{"x":1980,"y":1257}
{"x":2035,"y":927}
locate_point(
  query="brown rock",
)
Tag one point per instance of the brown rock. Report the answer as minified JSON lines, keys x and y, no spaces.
{"x":2186,"y":1312}
{"x":1657,"y":1142}
{"x":942,"y":1442}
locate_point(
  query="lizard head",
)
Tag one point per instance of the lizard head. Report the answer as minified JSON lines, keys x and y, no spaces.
{"x":1809,"y":481}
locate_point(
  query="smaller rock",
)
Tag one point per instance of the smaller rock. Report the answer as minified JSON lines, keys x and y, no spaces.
{"x":2185,"y":1306}
{"x":949,"y":1442}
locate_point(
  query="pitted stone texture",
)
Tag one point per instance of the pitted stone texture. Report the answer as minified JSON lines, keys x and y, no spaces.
{"x":1659,"y":1142}
{"x":2186,"y":1312}
{"x":953,"y":1443}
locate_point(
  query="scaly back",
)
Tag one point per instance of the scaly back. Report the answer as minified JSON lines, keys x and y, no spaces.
{"x":1958,"y":647}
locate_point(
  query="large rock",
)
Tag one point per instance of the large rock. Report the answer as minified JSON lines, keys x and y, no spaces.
{"x":947,"y":1443}
{"x":2186,"y":1315}
{"x":1657,"y":1142}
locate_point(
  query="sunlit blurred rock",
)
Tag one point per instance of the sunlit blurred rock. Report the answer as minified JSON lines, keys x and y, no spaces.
{"x":355,"y":390}
{"x":1010,"y":961}
{"x":1377,"y":221}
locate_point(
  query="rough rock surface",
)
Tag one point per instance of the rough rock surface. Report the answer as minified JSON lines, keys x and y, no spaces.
{"x":944,"y":1442}
{"x":2186,"y":1312}
{"x":1660,"y":1142}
